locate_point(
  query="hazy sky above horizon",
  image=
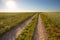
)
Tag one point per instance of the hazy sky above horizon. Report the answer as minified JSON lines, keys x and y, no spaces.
{"x":30,"y":5}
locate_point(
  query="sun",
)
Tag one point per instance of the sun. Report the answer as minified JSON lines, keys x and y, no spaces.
{"x":10,"y":5}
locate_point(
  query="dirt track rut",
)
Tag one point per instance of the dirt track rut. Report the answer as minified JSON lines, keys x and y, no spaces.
{"x":40,"y":32}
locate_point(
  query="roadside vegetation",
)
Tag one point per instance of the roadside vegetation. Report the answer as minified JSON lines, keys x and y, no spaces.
{"x":54,"y":17}
{"x":52,"y":26}
{"x":28,"y":32}
{"x":11,"y":20}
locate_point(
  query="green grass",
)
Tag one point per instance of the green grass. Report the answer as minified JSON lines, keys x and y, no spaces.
{"x":55,"y":18}
{"x":28,"y":32}
{"x":52,"y":29}
{"x":11,"y":20}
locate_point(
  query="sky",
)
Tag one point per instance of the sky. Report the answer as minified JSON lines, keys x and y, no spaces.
{"x":30,"y":5}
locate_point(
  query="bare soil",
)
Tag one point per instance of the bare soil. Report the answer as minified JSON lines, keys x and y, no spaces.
{"x":40,"y":32}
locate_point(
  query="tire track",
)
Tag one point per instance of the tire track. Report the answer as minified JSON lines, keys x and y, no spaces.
{"x":13,"y":34}
{"x":40,"y":32}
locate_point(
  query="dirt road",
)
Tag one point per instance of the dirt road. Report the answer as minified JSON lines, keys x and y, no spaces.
{"x":13,"y":34}
{"x":40,"y":33}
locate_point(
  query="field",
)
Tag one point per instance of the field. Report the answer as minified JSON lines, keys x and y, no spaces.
{"x":10,"y":20}
{"x":52,"y":24}
{"x":55,"y":17}
{"x":30,"y":26}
